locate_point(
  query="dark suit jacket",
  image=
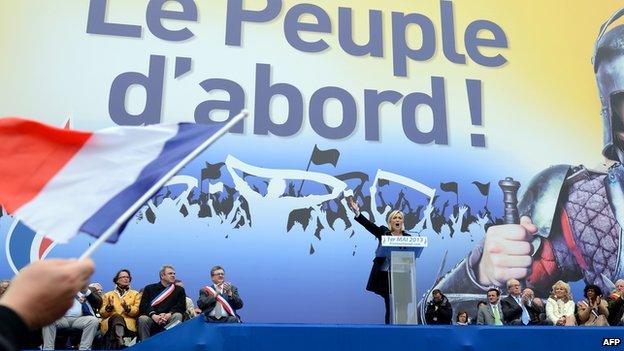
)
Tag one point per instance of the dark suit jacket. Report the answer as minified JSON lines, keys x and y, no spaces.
{"x":378,"y":279}
{"x":175,"y":303}
{"x":95,"y":300}
{"x":442,"y":315}
{"x":512,"y":312}
{"x":13,"y":330}
{"x":537,"y":314}
{"x":207,"y":302}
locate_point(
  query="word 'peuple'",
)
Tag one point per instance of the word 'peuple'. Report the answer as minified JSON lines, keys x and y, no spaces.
{"x":403,"y":49}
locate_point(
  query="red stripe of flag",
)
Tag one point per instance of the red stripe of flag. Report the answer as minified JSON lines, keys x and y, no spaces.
{"x":31,"y":154}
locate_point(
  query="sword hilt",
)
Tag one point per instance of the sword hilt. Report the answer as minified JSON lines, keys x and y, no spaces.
{"x":510,"y":198}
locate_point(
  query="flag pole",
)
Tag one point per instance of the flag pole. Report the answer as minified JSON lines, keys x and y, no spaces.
{"x":135,"y":207}
{"x":307,"y":169}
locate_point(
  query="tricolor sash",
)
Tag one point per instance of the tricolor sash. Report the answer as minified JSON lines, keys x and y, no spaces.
{"x":226,"y":306}
{"x":593,"y":310}
{"x":163,"y":295}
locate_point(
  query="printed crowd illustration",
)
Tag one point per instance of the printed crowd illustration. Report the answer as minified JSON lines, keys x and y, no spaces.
{"x":232,"y":203}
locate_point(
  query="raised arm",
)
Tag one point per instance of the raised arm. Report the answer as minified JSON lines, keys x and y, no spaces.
{"x":370,"y":226}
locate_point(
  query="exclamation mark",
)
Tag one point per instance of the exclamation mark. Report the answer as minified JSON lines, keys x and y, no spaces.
{"x":473,"y":87}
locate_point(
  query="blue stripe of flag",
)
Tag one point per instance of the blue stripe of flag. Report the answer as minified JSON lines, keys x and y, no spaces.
{"x":188,"y":138}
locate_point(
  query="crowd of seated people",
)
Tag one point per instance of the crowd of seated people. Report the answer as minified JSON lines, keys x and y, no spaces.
{"x":120,"y":317}
{"x":521,"y":307}
{"x":123,"y":316}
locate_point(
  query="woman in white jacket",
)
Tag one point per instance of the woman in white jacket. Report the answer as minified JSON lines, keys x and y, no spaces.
{"x":560,"y":306}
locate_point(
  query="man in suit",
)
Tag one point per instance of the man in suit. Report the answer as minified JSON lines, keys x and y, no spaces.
{"x":162,"y":305}
{"x":439,"y":310}
{"x":81,"y":315}
{"x":535,"y":307}
{"x":514,"y":309}
{"x":491,"y":313}
{"x":219,"y":301}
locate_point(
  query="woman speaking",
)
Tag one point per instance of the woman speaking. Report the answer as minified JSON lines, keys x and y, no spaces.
{"x":378,"y":281}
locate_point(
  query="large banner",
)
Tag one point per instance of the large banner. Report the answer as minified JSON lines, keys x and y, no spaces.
{"x":421,"y":106}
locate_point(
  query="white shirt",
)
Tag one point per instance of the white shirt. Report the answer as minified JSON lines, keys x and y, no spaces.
{"x":218,"y":312}
{"x":76,"y":309}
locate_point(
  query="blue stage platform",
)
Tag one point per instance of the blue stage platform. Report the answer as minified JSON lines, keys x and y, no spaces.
{"x":199,"y":335}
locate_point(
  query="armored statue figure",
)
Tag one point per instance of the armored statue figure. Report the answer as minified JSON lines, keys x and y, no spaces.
{"x":571,"y":215}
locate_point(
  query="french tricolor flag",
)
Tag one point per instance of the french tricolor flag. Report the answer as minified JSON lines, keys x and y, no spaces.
{"x":62,"y":182}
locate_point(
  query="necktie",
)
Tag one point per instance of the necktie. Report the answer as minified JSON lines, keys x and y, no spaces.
{"x":525,"y":313}
{"x":85,"y":307}
{"x":219,"y":312}
{"x":497,"y":320}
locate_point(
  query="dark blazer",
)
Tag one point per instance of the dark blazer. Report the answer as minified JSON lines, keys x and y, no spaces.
{"x":443,"y":314}
{"x":207,"y":302}
{"x":13,"y":330}
{"x":512,"y":312}
{"x":378,"y":279}
{"x":95,"y":300}
{"x":537,"y":314}
{"x":175,"y":303}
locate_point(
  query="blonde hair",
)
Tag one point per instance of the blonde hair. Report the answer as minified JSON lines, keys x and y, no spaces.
{"x":566,"y":288}
{"x":392,"y":214}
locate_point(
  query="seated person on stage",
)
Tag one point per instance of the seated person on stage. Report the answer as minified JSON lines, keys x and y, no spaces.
{"x":219,"y":300}
{"x":162,"y":304}
{"x":535,"y":307}
{"x":97,"y":288}
{"x":81,"y":315}
{"x":40,"y":294}
{"x":560,"y":306}
{"x":191,"y":311}
{"x":616,"y":304}
{"x":462,"y":318}
{"x":119,"y":311}
{"x":439,"y":310}
{"x":514,"y":309}
{"x":593,"y":310}
{"x":479,"y":304}
{"x":491,"y":313}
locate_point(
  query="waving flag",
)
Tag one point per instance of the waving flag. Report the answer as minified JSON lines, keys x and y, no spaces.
{"x":61,"y":182}
{"x":321,"y":157}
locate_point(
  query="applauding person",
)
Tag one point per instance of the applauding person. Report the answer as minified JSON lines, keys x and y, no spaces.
{"x":119,"y":311}
{"x":593,"y":310}
{"x":219,"y":300}
{"x":616,"y":304}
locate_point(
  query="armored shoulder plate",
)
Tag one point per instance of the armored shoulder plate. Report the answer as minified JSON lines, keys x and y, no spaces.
{"x":541,"y":196}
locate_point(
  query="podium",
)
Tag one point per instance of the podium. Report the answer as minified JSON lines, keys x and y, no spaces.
{"x":401,"y":253}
